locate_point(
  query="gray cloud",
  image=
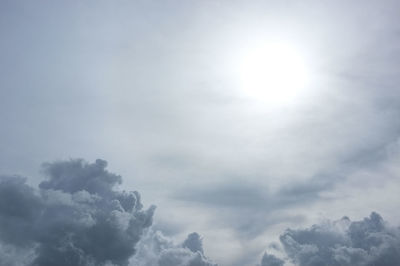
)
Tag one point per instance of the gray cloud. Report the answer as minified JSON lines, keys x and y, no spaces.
{"x":15,"y":256}
{"x":157,"y":250}
{"x":240,"y":193}
{"x":193,"y":243}
{"x":20,"y":207}
{"x":250,"y":208}
{"x":370,"y":242}
{"x":78,"y":218}
{"x":79,"y":79}
{"x":271,"y":260}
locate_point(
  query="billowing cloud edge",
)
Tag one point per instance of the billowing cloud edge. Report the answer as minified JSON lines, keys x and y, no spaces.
{"x":369,"y":242}
{"x":77,"y":217}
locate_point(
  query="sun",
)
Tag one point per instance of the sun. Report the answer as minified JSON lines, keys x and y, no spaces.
{"x":274,"y":73}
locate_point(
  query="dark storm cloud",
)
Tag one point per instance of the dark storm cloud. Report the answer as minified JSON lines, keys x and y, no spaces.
{"x":78,"y":218}
{"x":370,"y":242}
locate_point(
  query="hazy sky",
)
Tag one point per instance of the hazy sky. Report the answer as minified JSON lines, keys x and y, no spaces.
{"x":155,"y":89}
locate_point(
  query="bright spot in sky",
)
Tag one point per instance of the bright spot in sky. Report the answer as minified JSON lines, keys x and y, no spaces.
{"x":274,"y":73}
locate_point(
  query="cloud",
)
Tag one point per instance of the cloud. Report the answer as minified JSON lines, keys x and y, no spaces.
{"x":20,"y":207}
{"x":15,"y":256}
{"x":193,"y":243}
{"x":77,"y":217}
{"x":271,"y":260}
{"x":251,"y":208}
{"x":157,"y":250}
{"x":364,"y":243}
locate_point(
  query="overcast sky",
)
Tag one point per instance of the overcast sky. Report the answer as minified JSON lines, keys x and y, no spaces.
{"x":152,"y":87}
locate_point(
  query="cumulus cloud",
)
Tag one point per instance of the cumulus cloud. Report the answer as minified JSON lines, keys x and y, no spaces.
{"x":157,"y":250}
{"x":271,"y":260}
{"x":77,"y":217}
{"x":193,"y":243}
{"x":370,"y":242}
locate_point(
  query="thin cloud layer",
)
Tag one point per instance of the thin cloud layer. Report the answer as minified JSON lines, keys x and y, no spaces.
{"x":78,"y":218}
{"x":251,"y":208}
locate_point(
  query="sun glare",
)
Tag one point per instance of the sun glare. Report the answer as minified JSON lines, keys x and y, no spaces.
{"x":273,"y":73}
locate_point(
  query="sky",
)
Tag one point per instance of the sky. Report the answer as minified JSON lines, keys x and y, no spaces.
{"x":252,"y":126}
